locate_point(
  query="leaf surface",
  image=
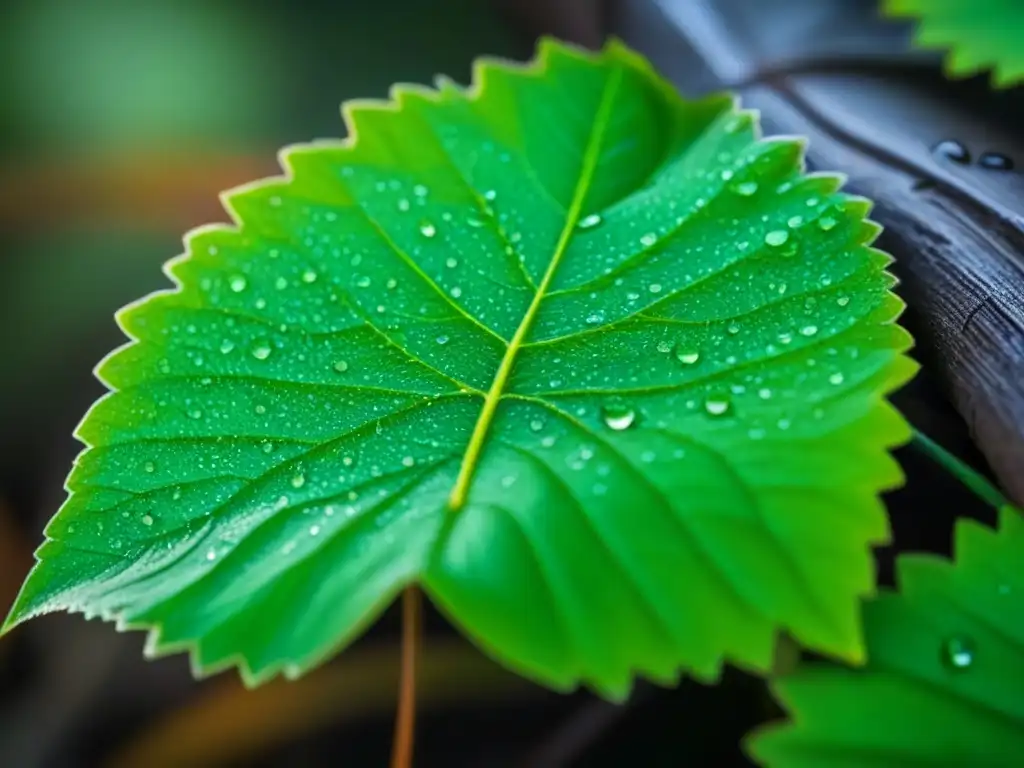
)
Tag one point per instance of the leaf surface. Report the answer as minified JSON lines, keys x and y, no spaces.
{"x":594,"y":365}
{"x":985,"y":34}
{"x":944,"y":682}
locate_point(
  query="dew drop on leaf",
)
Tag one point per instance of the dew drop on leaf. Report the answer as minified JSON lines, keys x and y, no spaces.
{"x":427,"y":229}
{"x":618,"y":416}
{"x":825,"y":223}
{"x":589,"y":222}
{"x":298,"y":480}
{"x":226,"y":346}
{"x":309,"y":276}
{"x":261,"y":350}
{"x":958,"y":652}
{"x":745,"y":188}
{"x":687,"y":355}
{"x":442,"y":340}
{"x":649,"y":239}
{"x":842,"y":301}
{"x":341,"y":366}
{"x":149,"y":466}
{"x":808,"y":330}
{"x":147,"y":519}
{"x":717,"y":405}
{"x":776,"y":238}
{"x":836,"y":378}
{"x":237,"y":283}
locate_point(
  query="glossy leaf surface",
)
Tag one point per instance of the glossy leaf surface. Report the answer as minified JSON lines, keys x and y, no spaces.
{"x":594,"y":365}
{"x":985,"y":34}
{"x":944,"y":683}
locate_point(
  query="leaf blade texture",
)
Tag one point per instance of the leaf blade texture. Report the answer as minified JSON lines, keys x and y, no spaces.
{"x":979,"y":36}
{"x":944,"y":682}
{"x":594,"y":365}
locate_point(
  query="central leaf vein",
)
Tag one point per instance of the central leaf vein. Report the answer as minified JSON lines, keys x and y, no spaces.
{"x":588,"y":167}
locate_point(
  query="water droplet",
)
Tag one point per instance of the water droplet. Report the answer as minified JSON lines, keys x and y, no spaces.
{"x":764,"y":393}
{"x":953,"y":150}
{"x":226,"y":346}
{"x":808,"y":330}
{"x":403,"y":205}
{"x":211,"y":554}
{"x":746,"y":188}
{"x":456,"y":292}
{"x":341,"y":366}
{"x":717,"y":405}
{"x":442,"y":340}
{"x":451,"y":262}
{"x":649,"y":239}
{"x":836,"y":378}
{"x":260,"y":408}
{"x":261,"y":351}
{"x":595,"y":317}
{"x":298,"y":480}
{"x":776,"y":238}
{"x":427,"y":229}
{"x":149,"y":466}
{"x":589,"y":222}
{"x":618,"y":416}
{"x":314,"y":530}
{"x":686,"y":355}
{"x":408,"y":461}
{"x":536,"y":425}
{"x":958,"y":652}
{"x":842,"y":301}
{"x":785,"y":338}
{"x":654,"y":288}
{"x":733,"y":329}
{"x":795,"y":221}
{"x":195,"y":413}
{"x":664,"y":346}
{"x":237,"y":283}
{"x":309,"y":276}
{"x":995,"y":161}
{"x":825,"y":223}
{"x":147,"y":519}
{"x":490,"y":195}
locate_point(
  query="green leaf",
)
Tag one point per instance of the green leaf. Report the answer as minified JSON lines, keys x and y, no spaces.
{"x":944,"y":683}
{"x":981,"y":35}
{"x":593,"y":364}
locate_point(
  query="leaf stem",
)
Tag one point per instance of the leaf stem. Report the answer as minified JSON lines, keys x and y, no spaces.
{"x":971,"y":479}
{"x":405,"y":721}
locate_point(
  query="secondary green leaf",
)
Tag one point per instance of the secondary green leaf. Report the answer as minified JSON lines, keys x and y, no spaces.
{"x":980,"y":35}
{"x":591,"y":363}
{"x":944,"y":683}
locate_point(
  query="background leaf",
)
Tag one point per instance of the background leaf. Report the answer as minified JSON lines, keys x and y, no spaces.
{"x":944,"y":683}
{"x":591,"y":363}
{"x":986,"y":34}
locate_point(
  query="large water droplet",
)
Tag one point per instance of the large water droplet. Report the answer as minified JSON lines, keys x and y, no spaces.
{"x":995,"y":161}
{"x":147,"y":519}
{"x":261,"y":351}
{"x":427,"y":229}
{"x":717,"y":405}
{"x":687,"y":355}
{"x":589,"y":222}
{"x":237,"y":283}
{"x":958,"y":652}
{"x":341,"y":366}
{"x":618,"y":416}
{"x":950,"y":149}
{"x":776,"y":238}
{"x":309,"y":276}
